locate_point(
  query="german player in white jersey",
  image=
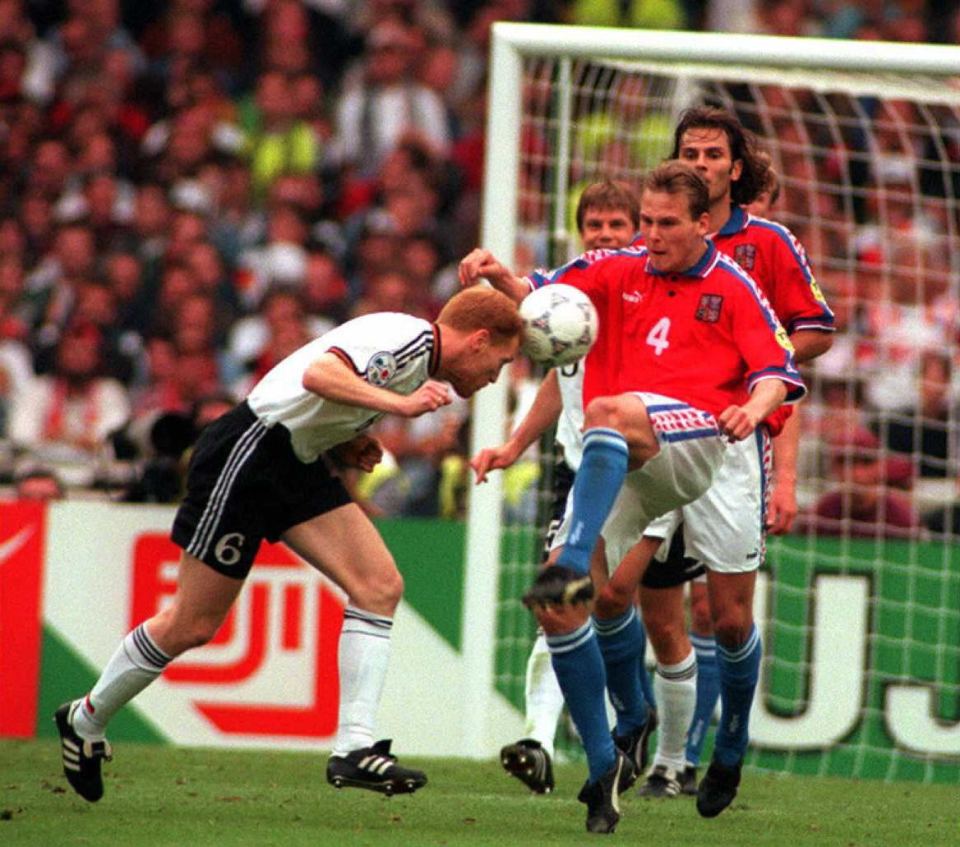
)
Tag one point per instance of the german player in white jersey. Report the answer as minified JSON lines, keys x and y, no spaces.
{"x":688,"y":354}
{"x":266,"y":470}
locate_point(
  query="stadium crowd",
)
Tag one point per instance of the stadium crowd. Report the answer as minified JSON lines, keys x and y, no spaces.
{"x":193,"y":189}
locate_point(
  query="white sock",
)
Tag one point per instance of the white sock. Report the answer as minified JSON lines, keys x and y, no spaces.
{"x":364,"y":653}
{"x":675,"y":687}
{"x":543,"y":697}
{"x":136,"y":663}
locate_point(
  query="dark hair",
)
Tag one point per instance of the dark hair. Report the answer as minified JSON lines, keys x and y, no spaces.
{"x":609,"y":195}
{"x":673,"y":177}
{"x":743,"y":147}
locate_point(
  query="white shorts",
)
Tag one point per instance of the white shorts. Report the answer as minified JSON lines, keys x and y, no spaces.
{"x":691,"y":452}
{"x":723,"y":529}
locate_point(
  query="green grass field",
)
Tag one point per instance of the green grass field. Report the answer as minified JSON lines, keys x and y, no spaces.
{"x":166,"y":796}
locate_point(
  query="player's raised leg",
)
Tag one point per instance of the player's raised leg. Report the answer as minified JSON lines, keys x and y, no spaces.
{"x":345,"y":546}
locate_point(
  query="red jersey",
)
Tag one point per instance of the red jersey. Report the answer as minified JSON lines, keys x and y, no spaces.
{"x":705,"y":336}
{"x":777,"y":262}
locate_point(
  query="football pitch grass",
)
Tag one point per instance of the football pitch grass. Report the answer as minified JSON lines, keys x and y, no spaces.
{"x":159,"y":795}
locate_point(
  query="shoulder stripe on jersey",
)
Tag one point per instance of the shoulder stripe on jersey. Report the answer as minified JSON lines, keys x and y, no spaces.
{"x":435,"y":352}
{"x":541,"y":277}
{"x":427,"y":334}
{"x":423,"y":346}
{"x":738,"y":273}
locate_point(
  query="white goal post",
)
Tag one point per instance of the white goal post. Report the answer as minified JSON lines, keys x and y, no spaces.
{"x":552,"y":77}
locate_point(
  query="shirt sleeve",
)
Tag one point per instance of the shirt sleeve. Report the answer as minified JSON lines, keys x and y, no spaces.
{"x":763,"y":342}
{"x":799,"y":302}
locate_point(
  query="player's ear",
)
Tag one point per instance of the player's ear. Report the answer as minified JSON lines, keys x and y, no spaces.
{"x":479,"y":340}
{"x":736,"y":170}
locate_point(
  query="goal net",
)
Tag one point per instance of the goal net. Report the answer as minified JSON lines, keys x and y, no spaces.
{"x":860,"y":607}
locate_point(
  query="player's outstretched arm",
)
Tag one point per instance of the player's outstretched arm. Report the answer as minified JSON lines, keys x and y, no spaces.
{"x":482,"y":264}
{"x":544,"y":411}
{"x":738,"y":422}
{"x":331,"y":378}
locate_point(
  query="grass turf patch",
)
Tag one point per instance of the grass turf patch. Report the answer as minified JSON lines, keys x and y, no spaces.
{"x":159,"y":795}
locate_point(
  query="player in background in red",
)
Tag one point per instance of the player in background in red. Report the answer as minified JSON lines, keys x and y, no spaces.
{"x":658,"y":406}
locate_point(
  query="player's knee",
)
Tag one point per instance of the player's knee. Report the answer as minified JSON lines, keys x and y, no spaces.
{"x":701,"y":621}
{"x":611,"y":601}
{"x":666,"y":636}
{"x":197,"y":631}
{"x":732,"y":627}
{"x":380,"y":592}
{"x":605,"y":412}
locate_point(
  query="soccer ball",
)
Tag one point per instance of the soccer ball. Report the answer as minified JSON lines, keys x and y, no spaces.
{"x":560,"y":324}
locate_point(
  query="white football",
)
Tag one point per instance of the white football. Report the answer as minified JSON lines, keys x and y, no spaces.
{"x":560,"y":324}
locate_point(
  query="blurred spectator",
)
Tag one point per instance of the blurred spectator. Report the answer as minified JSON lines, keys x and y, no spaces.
{"x":384,"y":102}
{"x":278,"y":141}
{"x":37,"y":482}
{"x":262,"y":341}
{"x":926,"y":432}
{"x":645,"y":14}
{"x":281,"y":261}
{"x":860,"y":506}
{"x":64,"y":418}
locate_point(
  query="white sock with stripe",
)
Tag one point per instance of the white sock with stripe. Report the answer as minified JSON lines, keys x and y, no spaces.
{"x":675,"y":687}
{"x":136,"y":663}
{"x":544,"y":699}
{"x":364,"y":653}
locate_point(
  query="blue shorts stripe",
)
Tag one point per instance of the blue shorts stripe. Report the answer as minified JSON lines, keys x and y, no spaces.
{"x":690,"y":434}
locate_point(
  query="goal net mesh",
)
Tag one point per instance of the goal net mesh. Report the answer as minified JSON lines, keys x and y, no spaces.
{"x":860,"y":616}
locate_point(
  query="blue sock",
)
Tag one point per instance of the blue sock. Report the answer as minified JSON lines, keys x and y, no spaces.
{"x":708,"y":692}
{"x":646,"y":681}
{"x":579,"y":668}
{"x":739,"y":672}
{"x":621,"y":644}
{"x":598,"y":481}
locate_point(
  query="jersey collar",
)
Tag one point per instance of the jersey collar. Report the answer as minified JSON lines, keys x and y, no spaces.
{"x":737,"y":222}
{"x":435,"y":351}
{"x":700,"y":269}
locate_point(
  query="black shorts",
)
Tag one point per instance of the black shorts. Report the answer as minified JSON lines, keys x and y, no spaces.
{"x":676,"y":570}
{"x":562,"y":483}
{"x":245,"y":484}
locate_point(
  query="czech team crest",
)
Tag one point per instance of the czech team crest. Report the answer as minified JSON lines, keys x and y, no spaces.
{"x":381,"y":369}
{"x":709,"y":308}
{"x":745,"y":255}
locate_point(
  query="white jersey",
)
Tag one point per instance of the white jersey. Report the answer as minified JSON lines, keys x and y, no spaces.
{"x":388,"y":349}
{"x":570,"y":424}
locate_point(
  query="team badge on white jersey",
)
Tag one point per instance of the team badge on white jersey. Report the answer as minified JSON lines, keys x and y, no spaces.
{"x":381,"y":369}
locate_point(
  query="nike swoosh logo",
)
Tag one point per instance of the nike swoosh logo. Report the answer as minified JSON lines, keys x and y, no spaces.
{"x":14,"y":543}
